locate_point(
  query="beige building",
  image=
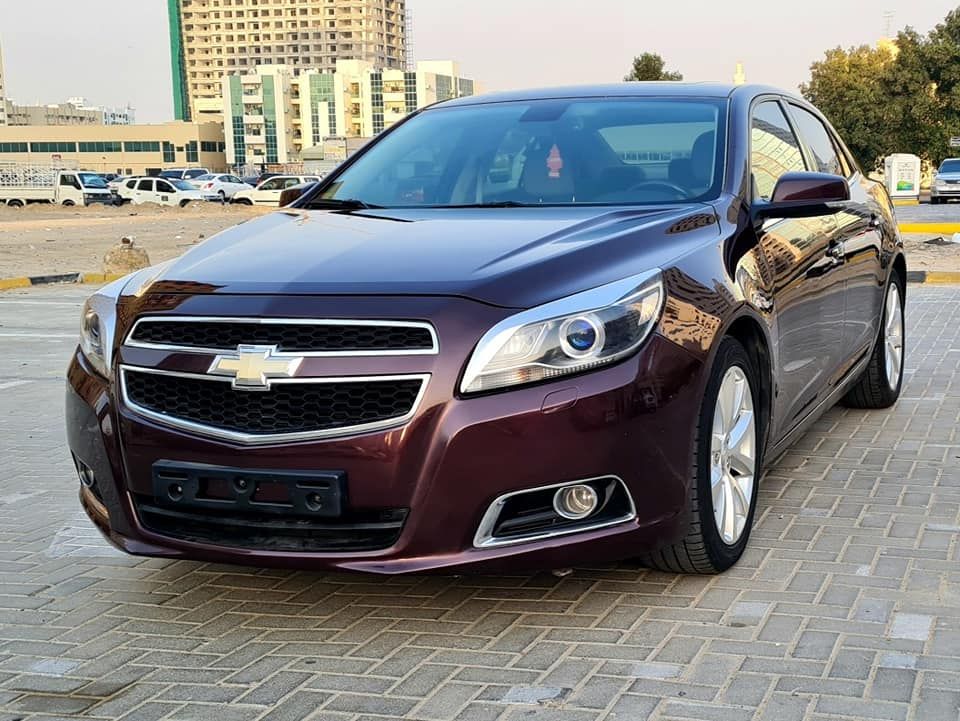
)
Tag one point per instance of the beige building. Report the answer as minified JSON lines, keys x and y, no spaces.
{"x":3,"y":97}
{"x":124,"y":149}
{"x":211,"y":38}
{"x":52,"y":114}
{"x":273,"y":115}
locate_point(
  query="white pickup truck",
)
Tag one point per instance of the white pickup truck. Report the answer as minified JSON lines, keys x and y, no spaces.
{"x":23,"y":184}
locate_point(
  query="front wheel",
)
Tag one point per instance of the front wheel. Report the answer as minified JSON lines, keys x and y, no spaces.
{"x":879,"y":385}
{"x":726,"y":465}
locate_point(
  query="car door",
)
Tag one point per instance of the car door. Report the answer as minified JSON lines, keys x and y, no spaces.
{"x":808,"y":299}
{"x":857,"y":241}
{"x":143,"y":193}
{"x":165,"y":193}
{"x":269,"y":192}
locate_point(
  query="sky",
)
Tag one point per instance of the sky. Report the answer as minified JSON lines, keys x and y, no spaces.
{"x":117,"y":51}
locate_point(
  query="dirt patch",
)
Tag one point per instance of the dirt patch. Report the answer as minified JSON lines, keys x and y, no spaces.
{"x":47,"y":239}
{"x":927,"y":251}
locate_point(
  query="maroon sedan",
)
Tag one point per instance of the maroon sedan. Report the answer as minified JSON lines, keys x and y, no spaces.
{"x":535,"y":329}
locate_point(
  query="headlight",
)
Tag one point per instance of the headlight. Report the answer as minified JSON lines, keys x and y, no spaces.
{"x":571,"y":335}
{"x":99,"y":318}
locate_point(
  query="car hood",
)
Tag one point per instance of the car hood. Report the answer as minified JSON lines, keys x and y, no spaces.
{"x":948,"y":176}
{"x":511,"y":257}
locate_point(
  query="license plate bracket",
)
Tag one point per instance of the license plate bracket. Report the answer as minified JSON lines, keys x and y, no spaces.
{"x":311,"y":494}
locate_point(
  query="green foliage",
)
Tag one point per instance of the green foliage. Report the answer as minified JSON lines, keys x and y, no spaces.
{"x":901,"y":97}
{"x":650,"y":66}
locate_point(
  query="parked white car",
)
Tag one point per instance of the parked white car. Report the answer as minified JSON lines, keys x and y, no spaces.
{"x":268,"y":192}
{"x":219,"y":186}
{"x":183,"y":173}
{"x":161,"y":191}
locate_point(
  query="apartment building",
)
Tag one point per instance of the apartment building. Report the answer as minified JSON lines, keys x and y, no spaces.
{"x":211,"y":38}
{"x":123,"y":149}
{"x":273,"y":115}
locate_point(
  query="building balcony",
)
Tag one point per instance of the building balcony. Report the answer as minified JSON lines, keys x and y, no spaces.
{"x":253,"y":98}
{"x":254,"y":140}
{"x":253,"y":119}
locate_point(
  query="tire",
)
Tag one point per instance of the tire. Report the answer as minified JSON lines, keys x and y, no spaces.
{"x":879,"y":385}
{"x":704,"y":549}
{"x":68,"y":203}
{"x":222,"y":197}
{"x":14,"y":203}
{"x":184,"y":203}
{"x":243,"y":201}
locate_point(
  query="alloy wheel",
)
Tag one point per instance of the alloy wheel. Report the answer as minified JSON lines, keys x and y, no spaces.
{"x":733,"y":455}
{"x":893,"y":336}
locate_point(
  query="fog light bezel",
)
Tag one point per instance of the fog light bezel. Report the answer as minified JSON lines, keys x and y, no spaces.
{"x":486,"y":535}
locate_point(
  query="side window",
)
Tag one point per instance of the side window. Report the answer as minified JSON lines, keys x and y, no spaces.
{"x":66,"y":180}
{"x":818,"y":140}
{"x":164,"y":187}
{"x":145,"y":184}
{"x":130,"y":184}
{"x":774,"y":149}
{"x":290,"y":182}
{"x":272,"y":184}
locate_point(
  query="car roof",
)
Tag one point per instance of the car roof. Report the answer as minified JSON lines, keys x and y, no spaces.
{"x":619,"y":90}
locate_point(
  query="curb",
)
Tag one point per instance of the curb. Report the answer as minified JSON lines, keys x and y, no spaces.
{"x":28,"y":281}
{"x":945,"y":228}
{"x":934,"y":277}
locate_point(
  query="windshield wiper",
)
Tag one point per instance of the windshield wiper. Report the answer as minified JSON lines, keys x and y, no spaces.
{"x":342,"y":203}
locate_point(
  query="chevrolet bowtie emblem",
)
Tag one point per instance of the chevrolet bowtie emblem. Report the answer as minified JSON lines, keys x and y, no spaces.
{"x":252,"y":366}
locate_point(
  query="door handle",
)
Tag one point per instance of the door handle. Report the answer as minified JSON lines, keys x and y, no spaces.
{"x":836,"y":253}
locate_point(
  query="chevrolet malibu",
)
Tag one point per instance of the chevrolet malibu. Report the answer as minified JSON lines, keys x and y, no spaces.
{"x":535,"y":329}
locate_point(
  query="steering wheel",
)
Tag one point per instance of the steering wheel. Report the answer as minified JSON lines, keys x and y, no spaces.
{"x":670,"y":187}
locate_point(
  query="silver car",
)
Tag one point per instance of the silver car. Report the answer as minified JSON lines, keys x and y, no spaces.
{"x":946,"y":183}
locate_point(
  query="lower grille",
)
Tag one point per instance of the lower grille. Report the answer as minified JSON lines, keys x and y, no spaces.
{"x":353,"y":531}
{"x":313,"y":408}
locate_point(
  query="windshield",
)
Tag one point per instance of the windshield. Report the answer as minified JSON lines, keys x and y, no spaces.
{"x":92,"y":180}
{"x":171,"y":174}
{"x":182,"y":185}
{"x":950,"y":166}
{"x":543,"y":152}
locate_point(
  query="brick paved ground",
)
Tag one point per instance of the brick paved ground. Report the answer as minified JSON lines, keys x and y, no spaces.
{"x":846,"y":606}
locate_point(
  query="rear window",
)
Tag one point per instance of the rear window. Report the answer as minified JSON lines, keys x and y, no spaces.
{"x":545,"y":152}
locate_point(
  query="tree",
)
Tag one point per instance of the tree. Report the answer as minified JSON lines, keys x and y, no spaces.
{"x":901,"y":97}
{"x":650,"y":66}
{"x":848,"y":87}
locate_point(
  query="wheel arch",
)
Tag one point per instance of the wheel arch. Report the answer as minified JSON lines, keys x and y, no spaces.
{"x":750,"y":333}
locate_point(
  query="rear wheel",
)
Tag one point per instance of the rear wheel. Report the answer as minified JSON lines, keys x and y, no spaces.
{"x":879,"y":385}
{"x":222,"y":196}
{"x":69,"y":203}
{"x":15,"y":203}
{"x":723,"y":492}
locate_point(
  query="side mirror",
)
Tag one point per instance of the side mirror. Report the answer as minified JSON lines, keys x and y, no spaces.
{"x":293,"y":193}
{"x":804,"y":194}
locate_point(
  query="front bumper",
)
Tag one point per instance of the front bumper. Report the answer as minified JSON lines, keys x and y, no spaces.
{"x":633,"y":420}
{"x":950,"y":191}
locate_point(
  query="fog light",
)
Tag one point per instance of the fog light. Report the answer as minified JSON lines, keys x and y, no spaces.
{"x":575,"y":502}
{"x":87,"y":477}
